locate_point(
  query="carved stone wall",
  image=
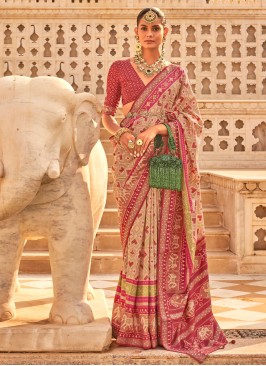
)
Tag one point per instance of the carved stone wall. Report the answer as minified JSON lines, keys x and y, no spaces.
{"x":222,"y":59}
{"x":224,"y":51}
{"x":234,"y":134}
{"x":221,"y":44}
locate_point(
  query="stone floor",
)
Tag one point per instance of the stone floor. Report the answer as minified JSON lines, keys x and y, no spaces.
{"x":239,"y":302}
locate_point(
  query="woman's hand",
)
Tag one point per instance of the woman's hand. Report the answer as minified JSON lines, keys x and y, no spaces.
{"x":146,"y":137}
{"x":124,"y":140}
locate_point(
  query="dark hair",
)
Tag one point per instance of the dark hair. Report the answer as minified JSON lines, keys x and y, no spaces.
{"x":158,"y":11}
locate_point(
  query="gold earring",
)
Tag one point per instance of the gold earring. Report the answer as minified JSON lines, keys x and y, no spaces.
{"x":137,"y":46}
{"x":163,"y":46}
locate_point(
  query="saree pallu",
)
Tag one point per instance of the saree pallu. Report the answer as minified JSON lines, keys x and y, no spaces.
{"x":163,"y":296}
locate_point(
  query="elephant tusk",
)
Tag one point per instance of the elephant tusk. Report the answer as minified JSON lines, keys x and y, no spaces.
{"x":53,"y":170}
{"x":1,"y":169}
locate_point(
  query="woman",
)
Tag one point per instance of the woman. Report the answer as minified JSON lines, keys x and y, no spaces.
{"x":162,"y":297}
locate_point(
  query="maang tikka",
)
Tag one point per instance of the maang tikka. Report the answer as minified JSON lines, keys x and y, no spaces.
{"x":150,"y":16}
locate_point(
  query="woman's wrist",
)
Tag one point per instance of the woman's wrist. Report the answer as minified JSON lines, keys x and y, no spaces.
{"x":120,"y":132}
{"x":160,"y":129}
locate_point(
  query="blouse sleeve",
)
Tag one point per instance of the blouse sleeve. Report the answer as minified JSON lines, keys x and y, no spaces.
{"x":113,"y":91}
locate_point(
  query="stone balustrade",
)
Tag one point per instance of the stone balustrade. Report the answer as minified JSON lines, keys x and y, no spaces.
{"x":241,"y":195}
{"x":234,"y":134}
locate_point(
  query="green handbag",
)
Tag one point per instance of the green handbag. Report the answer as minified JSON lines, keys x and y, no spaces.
{"x":165,"y":170}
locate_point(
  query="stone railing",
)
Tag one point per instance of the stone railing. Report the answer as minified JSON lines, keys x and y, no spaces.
{"x":241,"y":195}
{"x":234,"y":134}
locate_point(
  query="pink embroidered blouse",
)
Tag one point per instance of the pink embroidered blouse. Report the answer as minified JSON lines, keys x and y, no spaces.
{"x":122,"y":80}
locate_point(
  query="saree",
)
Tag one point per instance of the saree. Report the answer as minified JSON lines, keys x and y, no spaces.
{"x":162,"y":297}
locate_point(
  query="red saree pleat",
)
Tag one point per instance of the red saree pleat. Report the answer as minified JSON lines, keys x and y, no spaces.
{"x":163,"y":293}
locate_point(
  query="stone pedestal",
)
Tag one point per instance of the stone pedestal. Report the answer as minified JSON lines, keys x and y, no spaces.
{"x":31,"y":331}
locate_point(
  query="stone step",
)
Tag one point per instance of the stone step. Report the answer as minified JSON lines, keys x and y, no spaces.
{"x":222,"y":262}
{"x":104,"y":134}
{"x":110,"y":159}
{"x":34,"y":262}
{"x":38,"y":245}
{"x":106,"y":262}
{"x":108,"y":147}
{"x":110,"y":180}
{"x":217,"y":239}
{"x":212,"y":217}
{"x":203,"y":182}
{"x":110,"y":201}
{"x":108,"y":239}
{"x":111,"y":262}
{"x":208,"y":197}
{"x":109,"y":218}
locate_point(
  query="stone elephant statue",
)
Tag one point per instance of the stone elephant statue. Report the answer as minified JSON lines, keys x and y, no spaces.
{"x":47,"y":133}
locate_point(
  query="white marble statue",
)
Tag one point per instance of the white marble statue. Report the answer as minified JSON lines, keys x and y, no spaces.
{"x":46,"y":135}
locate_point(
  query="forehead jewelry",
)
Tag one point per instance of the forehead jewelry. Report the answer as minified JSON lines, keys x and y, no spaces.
{"x":150,"y":16}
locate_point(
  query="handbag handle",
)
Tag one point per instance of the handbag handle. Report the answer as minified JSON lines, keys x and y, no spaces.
{"x":158,"y":141}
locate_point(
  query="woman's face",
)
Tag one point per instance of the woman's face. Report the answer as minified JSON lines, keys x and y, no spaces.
{"x":150,"y":34}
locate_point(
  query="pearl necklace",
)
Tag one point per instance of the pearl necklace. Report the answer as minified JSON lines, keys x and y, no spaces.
{"x":149,"y":70}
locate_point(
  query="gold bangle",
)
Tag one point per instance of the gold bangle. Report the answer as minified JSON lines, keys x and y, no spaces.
{"x":120,"y":132}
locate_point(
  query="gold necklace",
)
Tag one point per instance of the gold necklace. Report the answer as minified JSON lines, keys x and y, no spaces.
{"x":149,"y":70}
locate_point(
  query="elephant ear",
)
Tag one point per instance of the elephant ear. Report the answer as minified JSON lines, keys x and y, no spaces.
{"x":86,"y":126}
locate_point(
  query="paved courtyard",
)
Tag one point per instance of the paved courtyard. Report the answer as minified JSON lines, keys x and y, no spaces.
{"x":239,"y":301}
{"x":239,"y":304}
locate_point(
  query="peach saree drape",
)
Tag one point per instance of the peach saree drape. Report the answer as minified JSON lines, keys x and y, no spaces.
{"x":163,"y":297}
